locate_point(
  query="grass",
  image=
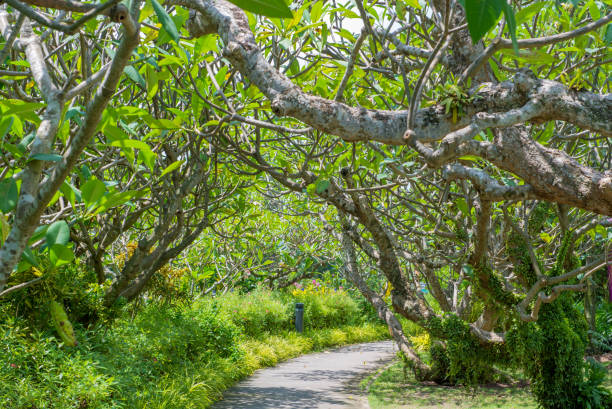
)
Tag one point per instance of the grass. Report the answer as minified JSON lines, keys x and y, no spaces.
{"x":170,"y":356}
{"x":200,"y":385}
{"x":390,"y":390}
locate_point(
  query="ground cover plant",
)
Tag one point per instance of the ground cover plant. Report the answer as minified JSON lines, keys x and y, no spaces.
{"x":392,"y":390}
{"x":168,"y":355}
{"x":397,"y":389}
{"x":449,"y":160}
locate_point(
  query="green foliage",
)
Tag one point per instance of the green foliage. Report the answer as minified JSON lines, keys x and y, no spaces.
{"x":165,"y":20}
{"x":551,"y":352}
{"x":255,"y":313}
{"x":482,"y":15}
{"x":262,"y":311}
{"x":538,"y":218}
{"x":454,"y":97}
{"x":493,"y":286}
{"x":603,"y":321}
{"x":270,"y":8}
{"x":8,"y":195}
{"x":73,"y":285}
{"x":440,"y":365}
{"x":36,"y":371}
{"x":369,"y":314}
{"x":121,"y":360}
{"x":156,"y":354}
{"x":325,"y":307}
{"x":592,"y":393}
{"x":392,"y":390}
{"x":177,"y":97}
{"x":181,"y":333}
{"x":517,"y":247}
{"x":56,"y":238}
{"x":463,"y":360}
{"x":62,"y":325}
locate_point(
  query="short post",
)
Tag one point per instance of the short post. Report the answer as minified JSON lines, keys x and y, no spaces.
{"x":299,"y":317}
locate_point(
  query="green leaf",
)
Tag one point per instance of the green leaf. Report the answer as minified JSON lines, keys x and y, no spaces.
{"x":462,"y":205}
{"x":8,"y":195}
{"x":6,"y":124}
{"x":310,"y":189}
{"x":147,"y":155}
{"x":400,"y":9}
{"x":316,"y":11}
{"x":131,"y":143}
{"x":135,"y":76}
{"x":38,"y":234}
{"x":526,"y":13}
{"x":20,"y":107}
{"x":532,"y":56}
{"x":594,"y":10}
{"x":152,"y":82}
{"x":473,"y":158}
{"x":48,"y":157}
{"x":12,"y":149}
{"x":5,"y":228}
{"x":29,"y":257}
{"x":511,"y":23}
{"x":546,"y":237}
{"x":269,"y":8}
{"x":321,"y":186}
{"x":57,"y":233}
{"x":165,"y":20}
{"x":608,"y":35}
{"x":117,"y":199}
{"x":92,"y":191}
{"x":172,"y":167}
{"x":481,"y":16}
{"x":71,"y":193}
{"x":23,"y":144}
{"x":60,"y":254}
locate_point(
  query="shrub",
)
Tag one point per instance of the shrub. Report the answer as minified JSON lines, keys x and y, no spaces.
{"x":178,"y":333}
{"x":263,"y":311}
{"x":36,"y":373}
{"x":551,"y":352}
{"x":170,"y":356}
{"x":126,"y":360}
{"x":602,"y":337}
{"x":256,"y":313}
{"x":326,"y":307}
{"x":71,"y":285}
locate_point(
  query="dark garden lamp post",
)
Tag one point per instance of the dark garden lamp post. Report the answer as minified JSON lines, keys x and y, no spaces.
{"x":299,"y":317}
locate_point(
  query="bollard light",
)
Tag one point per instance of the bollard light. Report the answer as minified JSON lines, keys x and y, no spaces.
{"x":299,"y":317}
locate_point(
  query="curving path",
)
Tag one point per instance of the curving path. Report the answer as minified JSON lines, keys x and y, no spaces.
{"x":317,"y":381}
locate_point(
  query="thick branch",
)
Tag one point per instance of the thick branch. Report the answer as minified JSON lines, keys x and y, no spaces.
{"x":493,"y":106}
{"x":395,"y":327}
{"x":358,"y":124}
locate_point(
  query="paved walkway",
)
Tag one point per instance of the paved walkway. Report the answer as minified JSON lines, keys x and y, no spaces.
{"x":317,"y":381}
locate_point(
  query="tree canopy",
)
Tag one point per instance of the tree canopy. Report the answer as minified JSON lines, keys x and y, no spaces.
{"x":454,"y":154}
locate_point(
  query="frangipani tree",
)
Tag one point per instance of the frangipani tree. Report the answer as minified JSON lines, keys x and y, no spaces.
{"x":464,"y":145}
{"x":453,"y":194}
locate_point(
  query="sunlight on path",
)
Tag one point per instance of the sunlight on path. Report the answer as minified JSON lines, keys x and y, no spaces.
{"x":323,"y":380}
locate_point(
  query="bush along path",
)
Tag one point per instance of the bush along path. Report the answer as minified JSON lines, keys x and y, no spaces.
{"x":327,"y":379}
{"x":172,"y":356}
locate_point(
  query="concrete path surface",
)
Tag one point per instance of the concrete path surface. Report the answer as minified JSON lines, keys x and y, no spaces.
{"x":322,"y":380}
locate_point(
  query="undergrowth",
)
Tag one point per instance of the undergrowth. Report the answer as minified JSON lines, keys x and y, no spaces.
{"x":167,"y":355}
